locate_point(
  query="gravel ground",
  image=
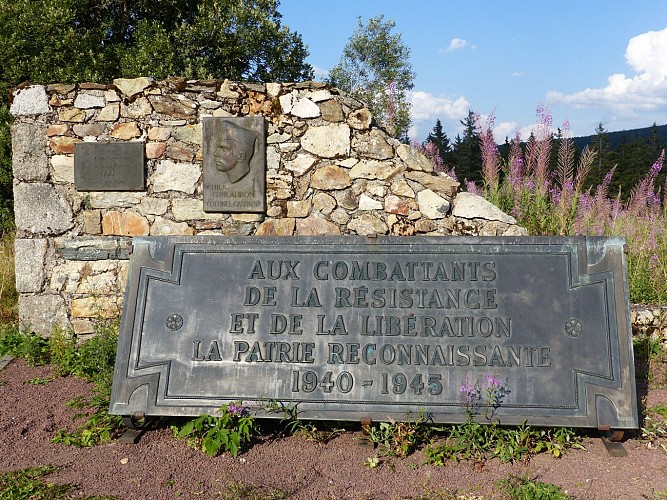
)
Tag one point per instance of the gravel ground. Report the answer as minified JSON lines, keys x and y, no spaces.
{"x":160,"y":466}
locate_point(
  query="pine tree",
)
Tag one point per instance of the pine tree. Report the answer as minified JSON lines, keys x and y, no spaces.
{"x":441,"y":141}
{"x":467,"y":153}
{"x":605,"y":160}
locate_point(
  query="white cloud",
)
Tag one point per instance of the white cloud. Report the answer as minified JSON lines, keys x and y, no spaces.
{"x":517,"y":74}
{"x":645,"y":90}
{"x":427,"y":108}
{"x":504,"y":129}
{"x":457,"y":44}
{"x":321,"y":74}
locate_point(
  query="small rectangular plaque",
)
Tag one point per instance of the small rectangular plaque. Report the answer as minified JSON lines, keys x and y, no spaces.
{"x":352,"y":327}
{"x":116,"y":166}
{"x":234,"y":164}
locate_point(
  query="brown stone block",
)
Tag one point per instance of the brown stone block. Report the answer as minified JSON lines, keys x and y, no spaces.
{"x":60,"y":129}
{"x":93,"y":86}
{"x":60,"y":88}
{"x":91,"y":222}
{"x":125,"y":131}
{"x":94,"y":307}
{"x":360,"y":119}
{"x":159,"y":133}
{"x":88,"y":129}
{"x":299,"y":208}
{"x":277,"y":227}
{"x":330,"y":177}
{"x":395,"y":205}
{"x":124,"y":224}
{"x":155,"y":150}
{"x":171,"y":107}
{"x":424,"y":226}
{"x":314,"y":226}
{"x":179,"y":151}
{"x":72,"y":115}
{"x":63,"y":145}
{"x":258,"y":104}
{"x":331,"y":111}
{"x":109,"y":113}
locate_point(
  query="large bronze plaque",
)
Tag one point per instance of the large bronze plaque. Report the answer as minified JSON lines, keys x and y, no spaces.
{"x":234,"y":164}
{"x":116,"y":166}
{"x":353,"y":327}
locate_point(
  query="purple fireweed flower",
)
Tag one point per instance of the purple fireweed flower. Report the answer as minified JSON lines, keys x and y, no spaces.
{"x":654,"y":261}
{"x":472,"y":188}
{"x":657,"y":166}
{"x":470,"y":395}
{"x":236,"y":408}
{"x":492,"y":382}
{"x":516,"y":172}
{"x":529,"y":184}
{"x":489,"y":148}
{"x":566,"y":126}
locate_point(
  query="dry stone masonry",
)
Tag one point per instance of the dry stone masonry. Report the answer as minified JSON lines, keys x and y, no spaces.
{"x":330,"y":171}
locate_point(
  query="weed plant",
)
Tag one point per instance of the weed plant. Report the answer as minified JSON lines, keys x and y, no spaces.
{"x":34,"y":349}
{"x":323,"y":434}
{"x":650,"y":361}
{"x":242,"y":491}
{"x":400,"y":439}
{"x":94,"y":360}
{"x":654,"y":427}
{"x":482,"y":437}
{"x":26,"y":483}
{"x":291,"y":424}
{"x":524,"y":488}
{"x":229,"y":432}
{"x":555,"y":202}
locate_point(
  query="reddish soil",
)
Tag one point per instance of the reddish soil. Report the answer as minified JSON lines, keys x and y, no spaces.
{"x":160,"y":466}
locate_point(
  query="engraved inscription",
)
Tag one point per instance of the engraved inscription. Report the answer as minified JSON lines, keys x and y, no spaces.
{"x":377,"y":329}
{"x":109,"y":166}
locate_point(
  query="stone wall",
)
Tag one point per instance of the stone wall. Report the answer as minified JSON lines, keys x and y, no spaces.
{"x":649,"y":321}
{"x":330,"y":170}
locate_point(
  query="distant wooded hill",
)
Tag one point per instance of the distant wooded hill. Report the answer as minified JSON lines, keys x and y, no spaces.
{"x":632,"y":152}
{"x":627,"y":136}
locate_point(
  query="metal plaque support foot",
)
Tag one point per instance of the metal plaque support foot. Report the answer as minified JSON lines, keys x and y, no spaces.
{"x":611,"y":438}
{"x":136,"y":426}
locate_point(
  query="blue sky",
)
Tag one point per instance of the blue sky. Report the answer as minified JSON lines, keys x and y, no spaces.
{"x":589,"y":61}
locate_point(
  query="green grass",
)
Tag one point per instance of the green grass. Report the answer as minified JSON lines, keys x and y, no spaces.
{"x":523,"y":488}
{"x":243,"y":491}
{"x":8,"y":294}
{"x":29,"y":484}
{"x":94,"y":360}
{"x":472,"y":441}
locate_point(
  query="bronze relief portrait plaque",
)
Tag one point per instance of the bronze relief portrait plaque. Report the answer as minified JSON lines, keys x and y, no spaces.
{"x":234,"y":164}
